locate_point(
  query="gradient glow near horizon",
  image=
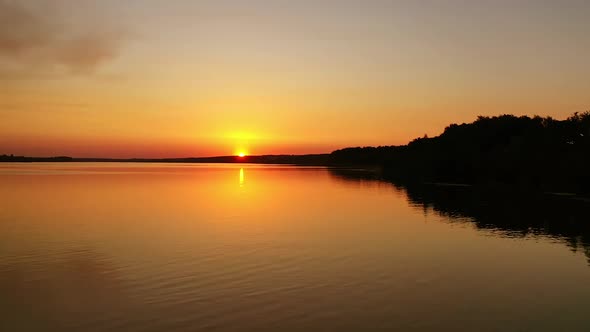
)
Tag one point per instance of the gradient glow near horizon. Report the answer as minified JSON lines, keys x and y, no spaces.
{"x":198,"y":78}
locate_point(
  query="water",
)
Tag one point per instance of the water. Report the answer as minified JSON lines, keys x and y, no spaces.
{"x":158,"y":247}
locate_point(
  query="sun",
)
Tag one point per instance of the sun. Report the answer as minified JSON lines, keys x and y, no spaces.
{"x":241,"y":152}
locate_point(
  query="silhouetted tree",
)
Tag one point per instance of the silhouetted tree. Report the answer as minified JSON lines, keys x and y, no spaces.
{"x":536,"y":152}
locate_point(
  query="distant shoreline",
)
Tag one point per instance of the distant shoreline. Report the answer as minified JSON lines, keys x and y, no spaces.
{"x":307,"y":159}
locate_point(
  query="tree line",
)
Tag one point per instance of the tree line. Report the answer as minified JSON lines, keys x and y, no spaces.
{"x":534,"y":152}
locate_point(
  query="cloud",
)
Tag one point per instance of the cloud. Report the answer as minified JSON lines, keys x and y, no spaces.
{"x":37,"y":38}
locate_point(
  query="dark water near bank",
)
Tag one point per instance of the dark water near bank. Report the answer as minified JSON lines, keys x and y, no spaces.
{"x":156,"y":247}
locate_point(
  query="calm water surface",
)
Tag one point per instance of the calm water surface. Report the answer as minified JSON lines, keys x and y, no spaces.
{"x":156,"y":247}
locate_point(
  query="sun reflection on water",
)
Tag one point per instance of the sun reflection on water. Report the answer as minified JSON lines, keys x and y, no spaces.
{"x":241,"y":177}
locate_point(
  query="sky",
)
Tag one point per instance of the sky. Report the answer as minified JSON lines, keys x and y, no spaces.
{"x":203,"y":78}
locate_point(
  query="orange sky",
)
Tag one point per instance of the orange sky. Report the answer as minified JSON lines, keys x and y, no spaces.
{"x":199,"y":78}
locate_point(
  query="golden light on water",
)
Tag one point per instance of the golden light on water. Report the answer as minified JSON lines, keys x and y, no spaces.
{"x":241,"y":177}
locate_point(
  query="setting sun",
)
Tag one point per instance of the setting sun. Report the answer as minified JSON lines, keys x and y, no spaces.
{"x":241,"y":154}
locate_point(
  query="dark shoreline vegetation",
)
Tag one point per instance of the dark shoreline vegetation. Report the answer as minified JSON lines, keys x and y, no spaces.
{"x":537,"y":153}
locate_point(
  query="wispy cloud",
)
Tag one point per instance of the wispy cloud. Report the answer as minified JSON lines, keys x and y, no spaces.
{"x":36,"y":39}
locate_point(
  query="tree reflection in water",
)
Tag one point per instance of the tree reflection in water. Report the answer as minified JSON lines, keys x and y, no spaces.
{"x":503,"y":211}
